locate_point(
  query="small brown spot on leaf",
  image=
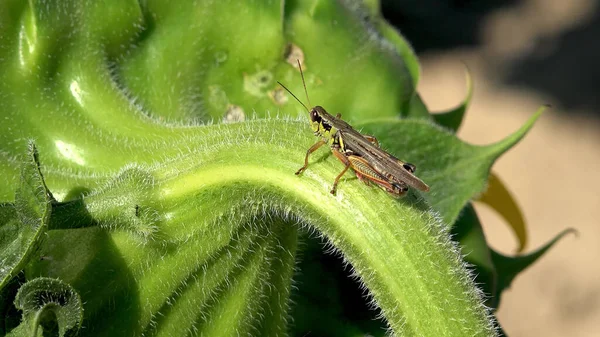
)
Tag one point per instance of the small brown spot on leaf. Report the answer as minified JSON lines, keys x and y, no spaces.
{"x":278,"y":96}
{"x":234,"y":113}
{"x":293,"y":54}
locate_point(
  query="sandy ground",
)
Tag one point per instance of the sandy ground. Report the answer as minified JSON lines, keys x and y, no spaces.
{"x":553,"y":172}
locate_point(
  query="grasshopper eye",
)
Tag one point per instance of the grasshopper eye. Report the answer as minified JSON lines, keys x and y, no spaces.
{"x":314,"y":116}
{"x":409,"y":167}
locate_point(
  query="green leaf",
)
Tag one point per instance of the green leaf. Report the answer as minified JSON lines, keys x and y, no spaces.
{"x":510,"y":266}
{"x":455,"y":171}
{"x":220,"y":204}
{"x":402,"y":46}
{"x":417,"y":109}
{"x":48,"y":305}
{"x":340,"y":86}
{"x":23,"y":223}
{"x":168,"y":227}
{"x":369,"y":11}
{"x":452,"y":119}
{"x":113,"y":75}
{"x":493,"y":271}
{"x":11,"y":249}
{"x":468,"y":233}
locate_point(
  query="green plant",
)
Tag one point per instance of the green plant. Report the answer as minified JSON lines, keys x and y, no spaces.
{"x":121,"y":195}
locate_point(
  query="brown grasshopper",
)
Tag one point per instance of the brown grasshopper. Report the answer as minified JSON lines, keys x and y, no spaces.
{"x":360,"y":152}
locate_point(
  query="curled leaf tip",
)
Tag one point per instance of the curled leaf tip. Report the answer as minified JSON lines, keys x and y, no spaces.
{"x":507,"y":143}
{"x":570,"y":230}
{"x":453,"y":118}
{"x":499,"y":198}
{"x":508,"y":267}
{"x":46,"y":299}
{"x":469,"y":82}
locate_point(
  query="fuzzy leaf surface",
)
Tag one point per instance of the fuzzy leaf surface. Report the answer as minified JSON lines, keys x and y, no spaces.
{"x":23,"y":223}
{"x":167,"y":226}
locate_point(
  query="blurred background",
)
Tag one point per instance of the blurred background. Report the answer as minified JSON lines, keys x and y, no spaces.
{"x":523,"y":54}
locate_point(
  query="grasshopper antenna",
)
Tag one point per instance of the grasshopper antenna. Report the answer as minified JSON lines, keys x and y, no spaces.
{"x":305,"y":91}
{"x":303,"y":82}
{"x":299,"y":101}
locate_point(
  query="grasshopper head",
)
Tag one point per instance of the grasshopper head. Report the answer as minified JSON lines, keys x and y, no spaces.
{"x":315,"y":118}
{"x":317,"y":122}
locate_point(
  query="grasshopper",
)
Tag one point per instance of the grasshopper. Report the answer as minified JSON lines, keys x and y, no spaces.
{"x":357,"y":151}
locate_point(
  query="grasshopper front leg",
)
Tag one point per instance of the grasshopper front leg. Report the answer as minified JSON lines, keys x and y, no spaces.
{"x":312,"y":149}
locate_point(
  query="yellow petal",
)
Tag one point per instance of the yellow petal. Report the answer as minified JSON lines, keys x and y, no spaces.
{"x":499,"y":198}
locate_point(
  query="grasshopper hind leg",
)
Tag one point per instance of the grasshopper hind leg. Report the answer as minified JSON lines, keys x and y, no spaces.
{"x":398,"y":189}
{"x":362,"y":178}
{"x":337,"y":179}
{"x":347,"y":165}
